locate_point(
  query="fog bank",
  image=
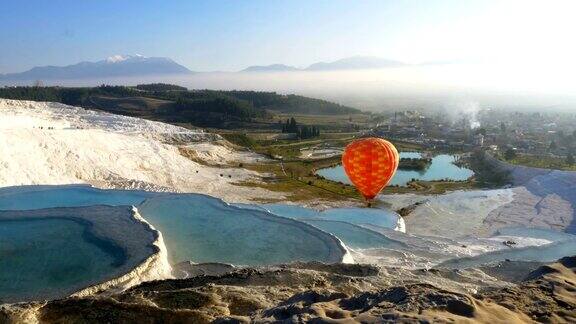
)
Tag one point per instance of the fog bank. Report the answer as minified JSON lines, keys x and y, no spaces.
{"x":414,"y":86}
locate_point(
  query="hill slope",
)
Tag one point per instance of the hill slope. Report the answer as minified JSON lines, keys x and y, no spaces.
{"x":203,"y":108}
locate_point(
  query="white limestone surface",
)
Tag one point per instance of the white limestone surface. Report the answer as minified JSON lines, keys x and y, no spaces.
{"x":51,"y":143}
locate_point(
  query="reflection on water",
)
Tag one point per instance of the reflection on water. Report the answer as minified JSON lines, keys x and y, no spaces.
{"x":442,"y":167}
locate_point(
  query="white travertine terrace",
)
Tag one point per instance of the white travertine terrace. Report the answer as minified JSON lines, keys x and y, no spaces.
{"x":52,"y":143}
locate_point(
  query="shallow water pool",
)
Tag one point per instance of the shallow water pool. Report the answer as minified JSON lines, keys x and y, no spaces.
{"x":543,"y":253}
{"x":563,"y":244}
{"x":195,"y":227}
{"x":356,"y":237}
{"x":372,"y":216}
{"x":344,"y":223}
{"x":204,"y":229}
{"x":40,"y":256}
{"x":38,"y":197}
{"x":442,"y":167}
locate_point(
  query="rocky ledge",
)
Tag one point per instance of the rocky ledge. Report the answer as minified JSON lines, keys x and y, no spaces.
{"x":319,"y":293}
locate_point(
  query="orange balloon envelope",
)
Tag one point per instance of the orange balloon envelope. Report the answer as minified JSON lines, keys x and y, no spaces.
{"x":370,"y":163}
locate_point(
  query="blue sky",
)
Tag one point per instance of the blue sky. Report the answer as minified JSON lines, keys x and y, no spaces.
{"x":230,"y":35}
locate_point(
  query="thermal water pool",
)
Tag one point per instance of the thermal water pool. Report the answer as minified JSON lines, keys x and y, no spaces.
{"x":356,"y":237}
{"x":442,"y":167}
{"x":204,"y":229}
{"x":561,"y":245}
{"x":39,"y":256}
{"x":38,"y":197}
{"x":354,"y":227}
{"x":36,"y":254}
{"x":345,"y":223}
{"x":373,"y":216}
{"x":195,"y":227}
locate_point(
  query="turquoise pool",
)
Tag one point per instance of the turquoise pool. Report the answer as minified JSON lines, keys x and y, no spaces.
{"x":195,"y":227}
{"x":442,"y":167}
{"x":344,"y":223}
{"x":562,"y":244}
{"x":39,"y":256}
{"x":38,"y":197}
{"x":356,"y":237}
{"x":204,"y":229}
{"x":373,"y":216}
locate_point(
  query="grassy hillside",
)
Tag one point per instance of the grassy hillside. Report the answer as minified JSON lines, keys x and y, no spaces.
{"x":174,"y":104}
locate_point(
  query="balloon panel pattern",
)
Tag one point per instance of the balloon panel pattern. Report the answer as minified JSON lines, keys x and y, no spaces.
{"x":370,"y":163}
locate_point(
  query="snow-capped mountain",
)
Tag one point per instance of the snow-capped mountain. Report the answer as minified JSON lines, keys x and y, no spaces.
{"x":113,"y":66}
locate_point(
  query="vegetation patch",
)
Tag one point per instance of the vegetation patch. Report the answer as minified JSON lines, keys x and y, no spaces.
{"x":544,"y":162}
{"x":191,"y":155}
{"x":296,"y":176}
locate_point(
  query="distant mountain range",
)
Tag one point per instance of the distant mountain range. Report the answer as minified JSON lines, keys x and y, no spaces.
{"x":270,"y":68}
{"x":355,"y":63}
{"x":114,"y":66}
{"x":138,"y":65}
{"x":349,"y":63}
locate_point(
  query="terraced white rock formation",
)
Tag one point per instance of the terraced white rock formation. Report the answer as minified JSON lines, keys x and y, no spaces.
{"x":52,"y":143}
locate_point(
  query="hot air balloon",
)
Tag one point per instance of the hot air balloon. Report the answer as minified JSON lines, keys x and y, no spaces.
{"x":370,"y":163}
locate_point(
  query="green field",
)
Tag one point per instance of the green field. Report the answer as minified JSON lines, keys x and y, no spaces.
{"x":331,"y":121}
{"x":297,"y":177}
{"x":545,"y":162}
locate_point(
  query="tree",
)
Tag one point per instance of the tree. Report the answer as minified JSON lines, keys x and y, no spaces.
{"x":304,"y":132}
{"x":570,"y":159}
{"x":291,"y":126}
{"x":510,"y":154}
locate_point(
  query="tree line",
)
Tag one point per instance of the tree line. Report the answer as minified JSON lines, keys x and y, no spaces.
{"x":302,"y":131}
{"x":205,"y":108}
{"x":160,"y":87}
